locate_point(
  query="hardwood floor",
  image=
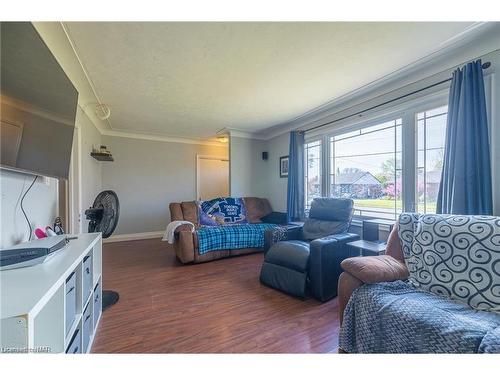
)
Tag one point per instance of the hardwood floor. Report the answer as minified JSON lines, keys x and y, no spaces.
{"x":215,"y":307}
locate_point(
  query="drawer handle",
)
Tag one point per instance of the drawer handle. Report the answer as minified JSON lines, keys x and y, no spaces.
{"x":70,"y":290}
{"x":70,"y":276}
{"x":75,"y":350}
{"x":87,"y":318}
{"x":87,"y":270}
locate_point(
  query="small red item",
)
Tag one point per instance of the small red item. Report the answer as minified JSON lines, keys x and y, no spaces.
{"x":40,"y":233}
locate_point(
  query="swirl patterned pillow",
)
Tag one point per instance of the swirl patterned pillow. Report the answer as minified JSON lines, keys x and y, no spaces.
{"x":456,"y":256}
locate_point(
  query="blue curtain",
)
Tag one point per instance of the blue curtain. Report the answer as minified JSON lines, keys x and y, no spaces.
{"x":295,"y":188}
{"x":466,"y":177}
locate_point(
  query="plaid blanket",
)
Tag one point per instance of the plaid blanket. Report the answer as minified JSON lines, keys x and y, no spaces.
{"x":398,"y":318}
{"x":227,"y":237}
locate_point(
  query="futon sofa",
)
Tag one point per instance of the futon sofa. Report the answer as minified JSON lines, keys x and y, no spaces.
{"x":186,"y":243}
{"x":437,"y":289}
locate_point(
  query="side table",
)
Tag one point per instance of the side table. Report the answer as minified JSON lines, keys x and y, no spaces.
{"x":366,"y":248}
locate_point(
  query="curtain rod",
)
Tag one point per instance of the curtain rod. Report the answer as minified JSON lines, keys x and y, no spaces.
{"x":485,"y":65}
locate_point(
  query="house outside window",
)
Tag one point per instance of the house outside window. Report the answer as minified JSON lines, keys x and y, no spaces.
{"x":356,"y":184}
{"x":365,"y":165}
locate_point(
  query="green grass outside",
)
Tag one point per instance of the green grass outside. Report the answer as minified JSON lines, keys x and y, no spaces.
{"x":389,"y":204}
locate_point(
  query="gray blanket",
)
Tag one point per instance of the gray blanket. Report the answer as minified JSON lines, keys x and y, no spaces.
{"x":397,"y":318}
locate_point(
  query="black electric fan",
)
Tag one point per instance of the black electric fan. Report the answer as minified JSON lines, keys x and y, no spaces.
{"x":104,"y":213}
{"x":103,"y":216}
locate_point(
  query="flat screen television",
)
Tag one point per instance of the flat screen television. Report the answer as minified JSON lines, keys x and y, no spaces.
{"x":38,"y":104}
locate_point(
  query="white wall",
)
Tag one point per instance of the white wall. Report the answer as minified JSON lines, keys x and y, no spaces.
{"x":40,"y":205}
{"x":148,"y":175}
{"x":247,"y":170}
{"x":252,"y":176}
{"x":276,"y":186}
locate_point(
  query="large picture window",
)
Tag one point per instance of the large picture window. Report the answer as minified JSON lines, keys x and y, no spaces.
{"x":431,"y":131}
{"x":374,"y":162}
{"x":365,"y":165}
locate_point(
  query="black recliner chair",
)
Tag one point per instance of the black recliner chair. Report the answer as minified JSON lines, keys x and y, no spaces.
{"x":308,"y":257}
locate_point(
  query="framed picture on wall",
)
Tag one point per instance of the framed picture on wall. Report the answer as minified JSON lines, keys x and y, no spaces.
{"x":284,"y":166}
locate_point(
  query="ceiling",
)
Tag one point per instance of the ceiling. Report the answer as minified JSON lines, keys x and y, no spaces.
{"x":192,"y":79}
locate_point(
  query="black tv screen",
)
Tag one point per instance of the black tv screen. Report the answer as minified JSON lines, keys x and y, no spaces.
{"x":38,"y":104}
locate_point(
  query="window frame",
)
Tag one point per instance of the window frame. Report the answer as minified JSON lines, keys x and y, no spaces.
{"x":321,"y":168}
{"x":425,"y":125}
{"x":407,"y":111}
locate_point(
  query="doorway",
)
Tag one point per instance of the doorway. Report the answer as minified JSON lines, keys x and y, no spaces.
{"x":212,"y":177}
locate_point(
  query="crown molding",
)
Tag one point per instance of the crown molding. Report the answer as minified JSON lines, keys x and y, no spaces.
{"x":150,"y":137}
{"x":162,"y":138}
{"x":243,"y":134}
{"x":444,"y":52}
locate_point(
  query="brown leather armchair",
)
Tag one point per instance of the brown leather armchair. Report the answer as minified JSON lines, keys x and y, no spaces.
{"x":371,"y":270}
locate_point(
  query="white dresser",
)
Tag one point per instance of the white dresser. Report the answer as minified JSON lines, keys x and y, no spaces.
{"x":55,"y":306}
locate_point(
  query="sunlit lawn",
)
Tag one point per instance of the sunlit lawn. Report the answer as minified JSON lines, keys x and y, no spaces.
{"x":389,"y":204}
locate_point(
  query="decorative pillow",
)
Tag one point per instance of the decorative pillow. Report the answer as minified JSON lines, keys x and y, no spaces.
{"x":222,"y":211}
{"x":372,"y":270}
{"x":456,"y":256}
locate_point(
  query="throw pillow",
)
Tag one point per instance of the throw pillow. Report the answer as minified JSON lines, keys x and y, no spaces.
{"x":371,"y":270}
{"x":457,"y":256}
{"x":222,"y":211}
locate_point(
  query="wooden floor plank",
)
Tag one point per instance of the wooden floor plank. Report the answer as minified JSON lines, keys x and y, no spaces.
{"x":215,"y":307}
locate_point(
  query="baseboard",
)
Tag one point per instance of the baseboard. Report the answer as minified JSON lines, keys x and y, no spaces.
{"x":133,"y":236}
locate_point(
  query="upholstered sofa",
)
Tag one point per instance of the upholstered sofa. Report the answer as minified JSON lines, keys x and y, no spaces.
{"x":437,"y":289}
{"x":186,"y":241}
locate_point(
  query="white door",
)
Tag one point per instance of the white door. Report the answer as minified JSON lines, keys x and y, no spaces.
{"x":212,"y":178}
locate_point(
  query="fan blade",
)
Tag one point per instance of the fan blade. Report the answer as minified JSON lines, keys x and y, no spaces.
{"x":107,"y":207}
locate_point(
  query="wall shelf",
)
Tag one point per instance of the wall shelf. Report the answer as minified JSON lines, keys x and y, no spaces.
{"x":102,"y":156}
